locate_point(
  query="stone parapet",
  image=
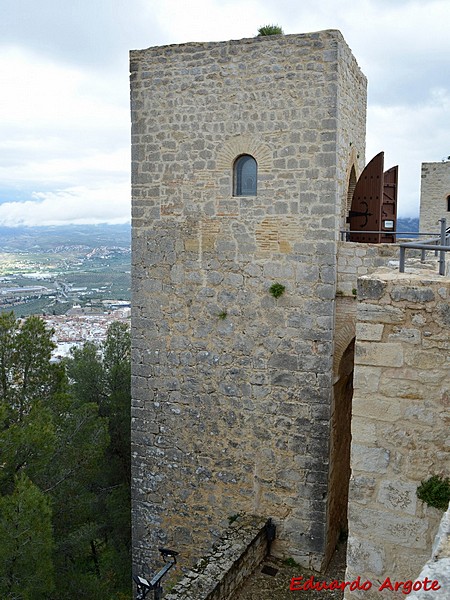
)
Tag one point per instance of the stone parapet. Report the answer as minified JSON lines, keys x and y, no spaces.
{"x":356,"y":259}
{"x":243,"y":546}
{"x":400,"y":420}
{"x":434,"y":195}
{"x":438,"y":567}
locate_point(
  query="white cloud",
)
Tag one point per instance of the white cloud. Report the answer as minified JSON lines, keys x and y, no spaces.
{"x":58,"y":168}
{"x":62,"y":128}
{"x":78,"y":205}
{"x":64,"y":115}
{"x":410,"y":135}
{"x":209,"y":20}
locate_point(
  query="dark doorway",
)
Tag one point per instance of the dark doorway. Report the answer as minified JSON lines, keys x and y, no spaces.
{"x":340,"y":440}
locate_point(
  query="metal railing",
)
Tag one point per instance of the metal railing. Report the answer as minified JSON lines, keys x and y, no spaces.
{"x":345,"y":233}
{"x":144,"y":587}
{"x":440,"y":245}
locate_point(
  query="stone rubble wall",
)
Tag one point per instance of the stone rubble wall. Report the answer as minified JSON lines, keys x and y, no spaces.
{"x":231,"y":387}
{"x":217,"y":575}
{"x":438,"y":567}
{"x":356,"y":259}
{"x":400,"y":421}
{"x":353,"y":261}
{"x":435,"y":188}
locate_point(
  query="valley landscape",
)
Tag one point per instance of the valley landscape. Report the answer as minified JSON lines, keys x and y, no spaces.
{"x":51,"y":270}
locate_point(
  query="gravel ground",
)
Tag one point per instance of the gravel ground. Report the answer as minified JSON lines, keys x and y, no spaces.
{"x":261,"y":586}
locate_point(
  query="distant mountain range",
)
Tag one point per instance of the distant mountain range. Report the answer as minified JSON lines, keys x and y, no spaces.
{"x":13,"y":239}
{"x":407,"y":224}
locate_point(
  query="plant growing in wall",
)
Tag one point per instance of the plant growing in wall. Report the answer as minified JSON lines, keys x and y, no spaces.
{"x":435,"y":492}
{"x":290,"y":562}
{"x":277,"y":290}
{"x":270,"y":30}
{"x":233,"y":518}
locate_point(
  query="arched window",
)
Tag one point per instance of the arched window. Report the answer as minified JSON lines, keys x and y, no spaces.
{"x":244,"y":174}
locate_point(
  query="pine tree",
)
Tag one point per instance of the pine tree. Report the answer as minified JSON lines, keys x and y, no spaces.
{"x":64,"y":466}
{"x":26,"y":567}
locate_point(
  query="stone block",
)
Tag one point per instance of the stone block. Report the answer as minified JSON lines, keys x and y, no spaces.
{"x":370,"y":460}
{"x":370,"y":288}
{"x":282,"y":379}
{"x":362,"y":489}
{"x":369,"y":331}
{"x":425,"y":359}
{"x":403,"y":334}
{"x":412,"y":294}
{"x":387,"y":528}
{"x":287,"y":362}
{"x":363,"y":556}
{"x":380,"y":313}
{"x":398,"y":496}
{"x":366,"y":378}
{"x":397,"y":387}
{"x":387,"y":354}
{"x":363,"y":430}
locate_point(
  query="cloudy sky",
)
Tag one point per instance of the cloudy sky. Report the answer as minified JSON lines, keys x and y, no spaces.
{"x":64,"y":100}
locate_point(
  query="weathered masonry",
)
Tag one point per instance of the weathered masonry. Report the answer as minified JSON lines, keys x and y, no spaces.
{"x":434,"y":195}
{"x":243,"y":154}
{"x":400,"y":425}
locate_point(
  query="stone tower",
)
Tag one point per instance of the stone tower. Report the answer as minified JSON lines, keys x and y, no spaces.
{"x":434,"y":195}
{"x":242,"y":157}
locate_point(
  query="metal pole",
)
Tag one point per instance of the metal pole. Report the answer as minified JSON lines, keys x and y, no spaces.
{"x":402,"y":259}
{"x":443,"y":243}
{"x":157,"y":593}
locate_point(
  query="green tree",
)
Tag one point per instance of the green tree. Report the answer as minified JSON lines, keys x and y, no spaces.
{"x":117,"y":501}
{"x":29,"y":382}
{"x":64,"y":450}
{"x":117,"y":371}
{"x":26,"y":372}
{"x":102,"y":374}
{"x":26,"y":567}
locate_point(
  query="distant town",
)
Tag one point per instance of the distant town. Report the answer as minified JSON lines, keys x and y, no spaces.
{"x":77,"y":278}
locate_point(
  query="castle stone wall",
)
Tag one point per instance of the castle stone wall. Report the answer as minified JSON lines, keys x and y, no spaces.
{"x":357,"y":259}
{"x":242,"y":548}
{"x":400,"y":421}
{"x":232,"y":388}
{"x":434,"y":194}
{"x":438,"y":567}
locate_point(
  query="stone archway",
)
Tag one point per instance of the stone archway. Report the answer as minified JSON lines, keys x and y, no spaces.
{"x":350,"y":189}
{"x":347,"y":196}
{"x":340,"y":440}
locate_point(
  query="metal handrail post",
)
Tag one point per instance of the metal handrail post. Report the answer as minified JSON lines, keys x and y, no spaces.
{"x":144,"y":586}
{"x":401,"y":266}
{"x":443,"y":243}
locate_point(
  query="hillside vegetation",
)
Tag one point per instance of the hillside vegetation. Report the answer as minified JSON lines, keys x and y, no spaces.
{"x":64,"y":466}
